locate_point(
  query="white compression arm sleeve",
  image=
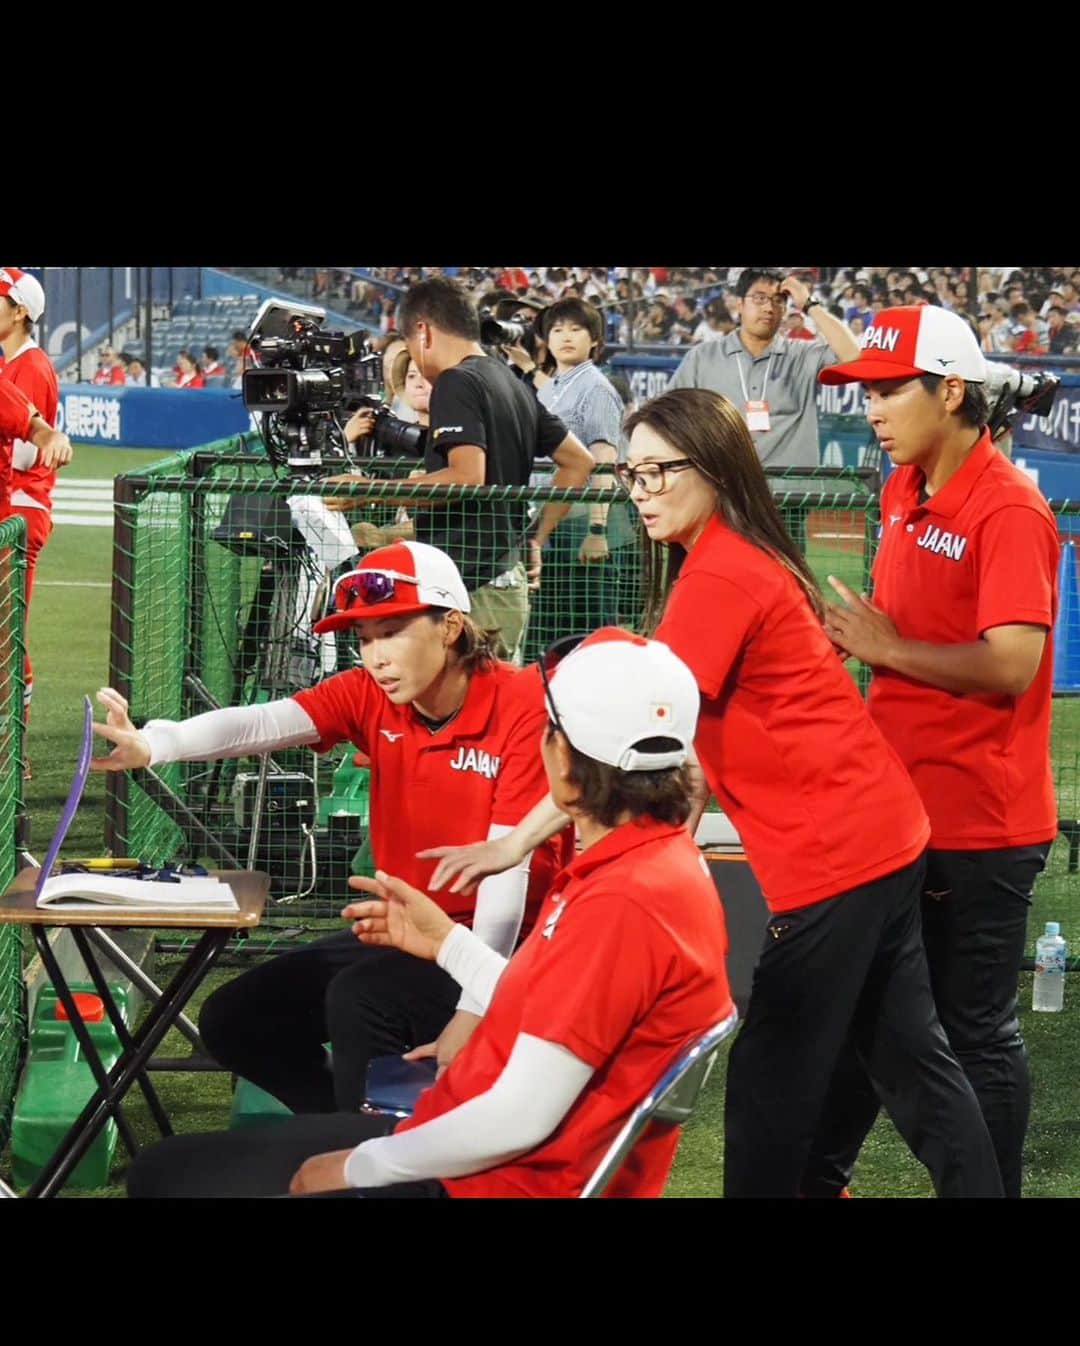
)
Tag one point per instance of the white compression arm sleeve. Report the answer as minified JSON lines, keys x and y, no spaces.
{"x":537,"y":1088}
{"x":475,"y":967}
{"x":500,"y":906}
{"x":233,"y":731}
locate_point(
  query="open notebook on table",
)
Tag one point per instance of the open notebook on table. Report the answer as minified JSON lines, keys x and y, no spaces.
{"x":75,"y":891}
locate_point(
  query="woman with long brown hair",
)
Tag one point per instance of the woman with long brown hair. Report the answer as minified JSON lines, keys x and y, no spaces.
{"x":830,"y":821}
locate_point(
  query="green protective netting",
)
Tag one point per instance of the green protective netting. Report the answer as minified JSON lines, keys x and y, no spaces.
{"x":12,"y":1008}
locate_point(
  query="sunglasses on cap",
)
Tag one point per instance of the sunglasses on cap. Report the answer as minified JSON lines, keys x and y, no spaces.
{"x":552,"y":658}
{"x":369,"y":586}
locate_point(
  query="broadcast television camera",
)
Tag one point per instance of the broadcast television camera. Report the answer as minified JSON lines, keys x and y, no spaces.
{"x":1012,"y":392}
{"x":307,"y":381}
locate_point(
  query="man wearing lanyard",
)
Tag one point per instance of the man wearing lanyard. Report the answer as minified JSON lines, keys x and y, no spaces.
{"x":770,"y":378}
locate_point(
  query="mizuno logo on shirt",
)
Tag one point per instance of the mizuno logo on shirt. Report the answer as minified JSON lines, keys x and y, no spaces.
{"x":390,"y":738}
{"x":475,"y":759}
{"x":447,"y":430}
{"x":942,"y":544}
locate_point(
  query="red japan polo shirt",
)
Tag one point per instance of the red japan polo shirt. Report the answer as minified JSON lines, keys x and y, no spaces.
{"x":981,"y":552}
{"x":624,"y":966}
{"x":446,"y":788}
{"x":820,"y":800}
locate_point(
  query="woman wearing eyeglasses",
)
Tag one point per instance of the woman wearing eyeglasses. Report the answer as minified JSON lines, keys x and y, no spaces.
{"x":830,"y":821}
{"x":452,"y":737}
{"x":622,"y":972}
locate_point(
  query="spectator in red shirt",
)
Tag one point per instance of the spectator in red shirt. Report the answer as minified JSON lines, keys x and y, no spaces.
{"x":110,"y":368}
{"x":188,"y":374}
{"x":1028,"y":340}
{"x":212,"y":367}
{"x":796,"y":327}
{"x":512,"y":278}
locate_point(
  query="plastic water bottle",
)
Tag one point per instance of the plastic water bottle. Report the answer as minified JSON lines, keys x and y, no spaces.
{"x":1051,"y":952}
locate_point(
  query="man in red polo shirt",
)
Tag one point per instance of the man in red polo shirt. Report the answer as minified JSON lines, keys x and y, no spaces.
{"x":452,"y":735}
{"x":624,"y":968}
{"x":959,"y":639}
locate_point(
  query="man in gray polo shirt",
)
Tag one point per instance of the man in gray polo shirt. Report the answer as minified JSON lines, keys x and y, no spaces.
{"x":770,"y":378}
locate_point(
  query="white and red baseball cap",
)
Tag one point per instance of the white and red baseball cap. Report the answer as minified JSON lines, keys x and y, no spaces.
{"x":394,"y":581}
{"x":616,"y":691}
{"x":902,"y":343}
{"x":21,"y":288}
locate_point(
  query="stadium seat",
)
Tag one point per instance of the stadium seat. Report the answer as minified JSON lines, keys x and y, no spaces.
{"x":394,"y":1085}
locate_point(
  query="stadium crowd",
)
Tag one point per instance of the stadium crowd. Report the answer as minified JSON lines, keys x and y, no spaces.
{"x":1024,"y":311}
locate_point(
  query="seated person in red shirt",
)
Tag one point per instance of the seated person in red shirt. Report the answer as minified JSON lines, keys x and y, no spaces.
{"x":188,"y":373}
{"x":212,"y":367}
{"x":623,"y":968}
{"x":110,"y":368}
{"x":451,"y":733}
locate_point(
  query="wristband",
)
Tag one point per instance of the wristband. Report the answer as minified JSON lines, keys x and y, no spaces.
{"x":810,"y":304}
{"x":597,"y":529}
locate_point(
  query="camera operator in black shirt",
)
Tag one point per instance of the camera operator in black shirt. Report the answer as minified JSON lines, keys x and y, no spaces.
{"x":486,"y":429}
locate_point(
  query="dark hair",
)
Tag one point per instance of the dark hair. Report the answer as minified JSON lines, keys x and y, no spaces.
{"x":475,"y":647}
{"x":441,"y":302}
{"x":605,"y":793}
{"x":753,"y":273}
{"x":578,"y":311}
{"x":706,"y":428}
{"x":863,"y":290}
{"x":239,"y":335}
{"x":1020,"y":310}
{"x":211,"y":352}
{"x":1056,"y":308}
{"x":973,"y":410}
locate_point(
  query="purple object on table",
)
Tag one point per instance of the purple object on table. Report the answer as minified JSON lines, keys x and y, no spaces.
{"x":78,"y":784}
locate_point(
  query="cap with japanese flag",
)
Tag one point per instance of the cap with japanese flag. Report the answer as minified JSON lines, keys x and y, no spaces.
{"x":617,"y":692}
{"x":394,"y":581}
{"x":21,"y":288}
{"x":902,"y":343}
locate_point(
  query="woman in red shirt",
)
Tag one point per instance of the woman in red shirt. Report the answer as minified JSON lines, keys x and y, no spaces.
{"x":188,"y":374}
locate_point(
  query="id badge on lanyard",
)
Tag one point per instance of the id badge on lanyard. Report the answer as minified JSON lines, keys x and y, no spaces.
{"x":756,"y":412}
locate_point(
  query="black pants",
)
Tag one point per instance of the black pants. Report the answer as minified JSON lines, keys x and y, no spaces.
{"x":849,"y":968}
{"x":270,"y":1024}
{"x":259,"y":1160}
{"x":974,"y":912}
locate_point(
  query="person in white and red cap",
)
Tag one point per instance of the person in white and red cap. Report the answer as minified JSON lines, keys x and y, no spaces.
{"x":959,"y":637}
{"x":624,"y":967}
{"x":28,"y":368}
{"x":451,"y":734}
